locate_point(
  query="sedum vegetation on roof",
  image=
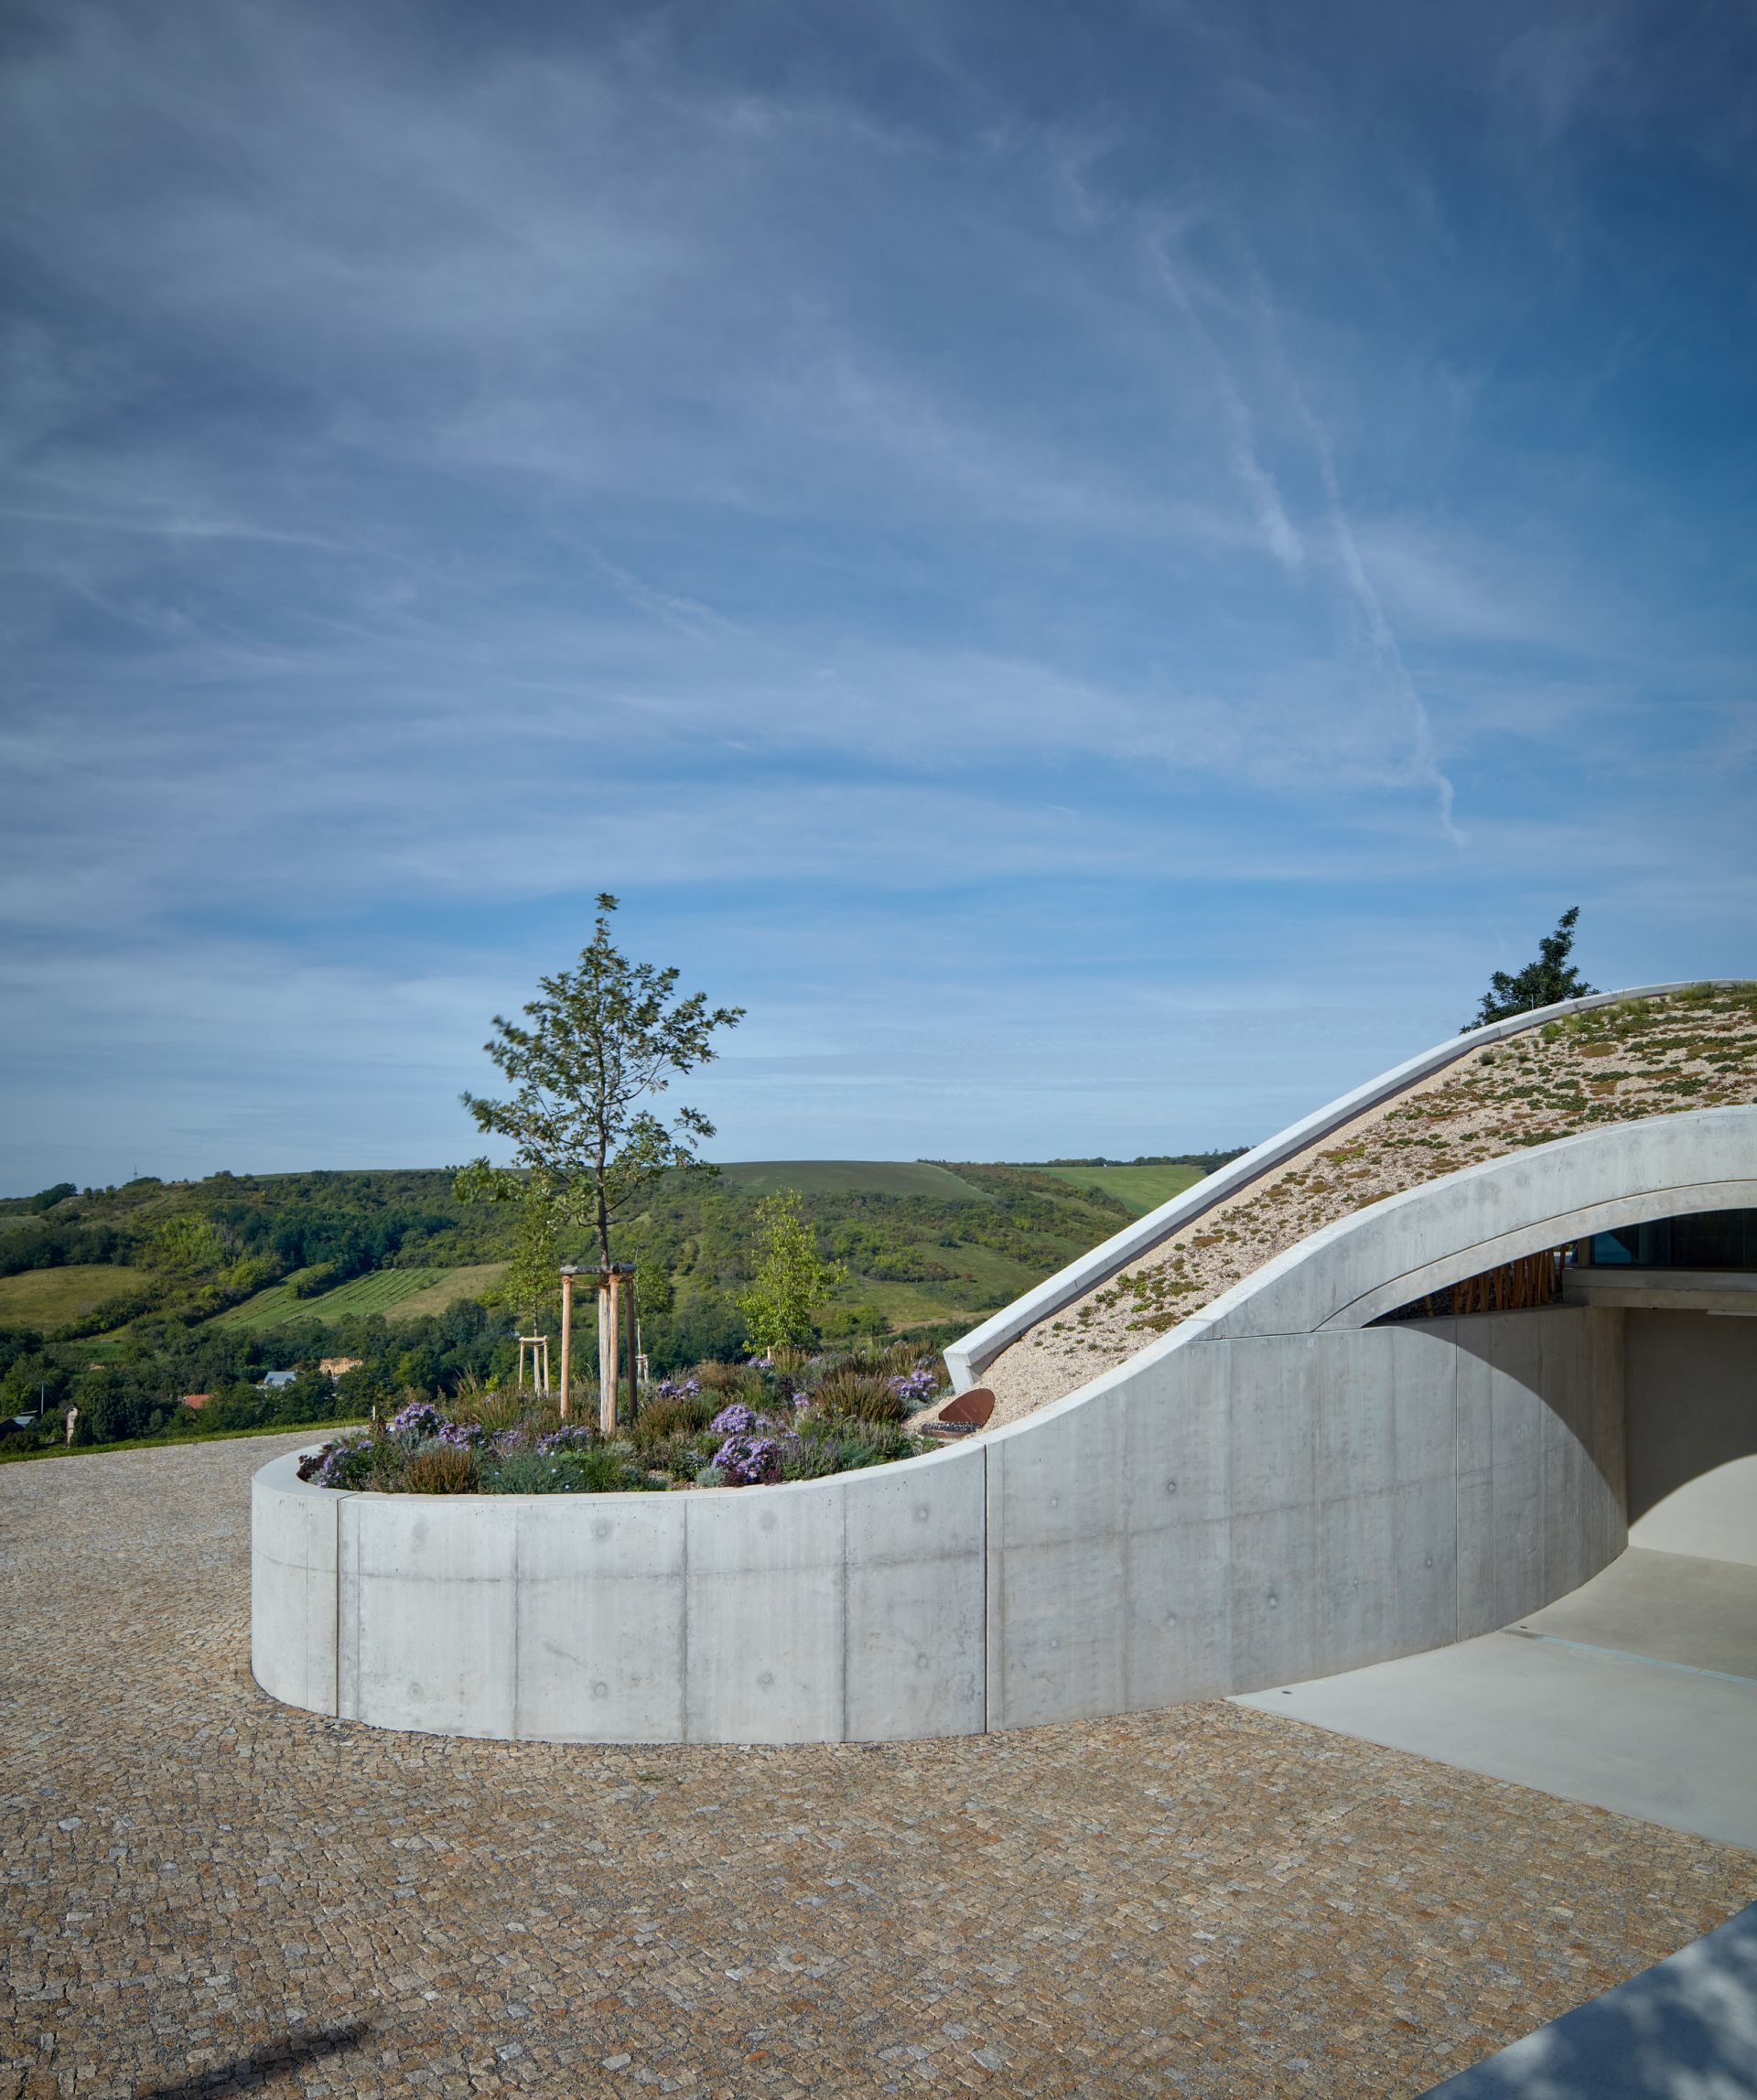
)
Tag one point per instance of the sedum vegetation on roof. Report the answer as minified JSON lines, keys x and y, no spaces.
{"x":1616,"y":1063}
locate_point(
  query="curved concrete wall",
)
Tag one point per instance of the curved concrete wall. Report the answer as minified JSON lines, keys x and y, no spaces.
{"x":1692,"y":1430}
{"x":1272,"y":1490}
{"x":847,"y":1610}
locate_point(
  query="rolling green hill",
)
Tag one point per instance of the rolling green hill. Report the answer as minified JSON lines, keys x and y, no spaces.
{"x":928,"y":1247}
{"x":203,"y":1275}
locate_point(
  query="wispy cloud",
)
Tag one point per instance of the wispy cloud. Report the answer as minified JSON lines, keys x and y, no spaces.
{"x":1072,"y":499}
{"x":1259,"y":486}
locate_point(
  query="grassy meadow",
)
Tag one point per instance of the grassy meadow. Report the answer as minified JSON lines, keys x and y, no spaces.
{"x":1143,"y":1189}
{"x":48,"y":1298}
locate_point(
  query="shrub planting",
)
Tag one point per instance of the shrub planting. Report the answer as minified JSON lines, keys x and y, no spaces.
{"x":723,"y":1425}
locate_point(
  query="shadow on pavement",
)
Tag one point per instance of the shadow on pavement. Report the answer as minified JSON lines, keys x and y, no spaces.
{"x":1685,"y":2030}
{"x":245,"y":2073}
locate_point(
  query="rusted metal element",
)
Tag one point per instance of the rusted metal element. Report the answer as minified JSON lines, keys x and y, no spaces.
{"x":961,"y":1417}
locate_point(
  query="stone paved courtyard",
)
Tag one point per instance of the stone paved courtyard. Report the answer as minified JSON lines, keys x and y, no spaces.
{"x":207,"y":1893}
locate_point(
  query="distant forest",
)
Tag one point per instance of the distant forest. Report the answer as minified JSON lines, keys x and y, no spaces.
{"x":124,"y":1300}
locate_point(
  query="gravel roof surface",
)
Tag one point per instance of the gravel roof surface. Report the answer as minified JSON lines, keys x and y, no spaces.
{"x":207,"y":1893}
{"x":1613,"y":1064}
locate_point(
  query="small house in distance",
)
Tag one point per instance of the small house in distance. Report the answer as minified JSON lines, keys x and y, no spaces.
{"x":196,"y":1400}
{"x":333,"y":1366}
{"x":275,"y":1380}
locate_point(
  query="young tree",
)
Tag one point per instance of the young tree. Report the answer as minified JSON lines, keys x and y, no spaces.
{"x":1540,"y":984}
{"x":602,"y":1039}
{"x":529,"y":1284}
{"x":793,"y":1278}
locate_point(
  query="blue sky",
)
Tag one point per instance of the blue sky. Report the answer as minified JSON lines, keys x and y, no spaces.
{"x":1097,"y":569}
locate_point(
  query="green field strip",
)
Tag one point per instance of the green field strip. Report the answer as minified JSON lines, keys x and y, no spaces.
{"x":1143,"y":1189}
{"x":382,"y":1291}
{"x":454,"y":1284}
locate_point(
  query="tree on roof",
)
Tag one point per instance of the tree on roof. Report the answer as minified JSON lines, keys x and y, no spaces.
{"x":1540,"y":984}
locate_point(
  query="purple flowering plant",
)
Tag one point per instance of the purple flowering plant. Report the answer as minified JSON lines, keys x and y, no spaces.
{"x":418,"y":1420}
{"x":749,"y":1461}
{"x":325,"y":1467}
{"x":570,"y":1437}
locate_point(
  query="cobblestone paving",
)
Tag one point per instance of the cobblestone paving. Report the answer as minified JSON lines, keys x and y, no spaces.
{"x":207,"y":1893}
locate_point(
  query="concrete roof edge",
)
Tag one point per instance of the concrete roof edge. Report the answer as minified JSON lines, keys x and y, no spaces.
{"x":967,"y":1357}
{"x":1212,"y":1324}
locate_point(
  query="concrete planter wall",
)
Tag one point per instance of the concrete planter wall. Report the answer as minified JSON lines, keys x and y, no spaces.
{"x":1274,"y":1491}
{"x":842,"y":1610}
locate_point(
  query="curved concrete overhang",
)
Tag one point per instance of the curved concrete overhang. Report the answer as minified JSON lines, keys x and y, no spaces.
{"x":1353,"y":1272}
{"x":1400,"y":1249}
{"x":967,"y":1358}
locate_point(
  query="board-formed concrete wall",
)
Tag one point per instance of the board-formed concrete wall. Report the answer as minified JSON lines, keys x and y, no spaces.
{"x":847,"y":1610}
{"x":1273,"y":1491}
{"x":1245,"y":1513}
{"x":1241,"y":1513}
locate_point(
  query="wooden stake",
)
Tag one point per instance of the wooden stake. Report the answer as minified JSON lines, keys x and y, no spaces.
{"x":634,"y":1346}
{"x":609,"y":1361}
{"x":567,"y":1276}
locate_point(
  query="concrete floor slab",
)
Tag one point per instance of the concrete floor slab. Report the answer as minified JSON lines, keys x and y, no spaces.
{"x":1637,"y":1693}
{"x":1669,"y":1607}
